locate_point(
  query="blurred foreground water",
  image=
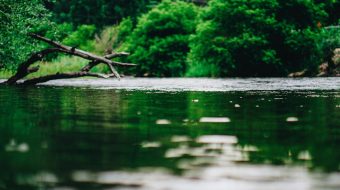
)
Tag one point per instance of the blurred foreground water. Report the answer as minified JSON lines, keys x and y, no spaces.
{"x":171,"y":134}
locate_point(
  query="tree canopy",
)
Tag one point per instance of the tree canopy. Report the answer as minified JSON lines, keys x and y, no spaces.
{"x":99,"y":12}
{"x":17,"y":19}
{"x":255,"y":38}
{"x":160,"y":41}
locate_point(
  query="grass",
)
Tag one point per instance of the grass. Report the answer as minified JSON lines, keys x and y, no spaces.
{"x":4,"y":74}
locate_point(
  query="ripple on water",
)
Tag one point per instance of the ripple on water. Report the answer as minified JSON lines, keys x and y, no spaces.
{"x":214,"y":120}
{"x":217,"y":139}
{"x":163,"y":122}
{"x":292,"y":119}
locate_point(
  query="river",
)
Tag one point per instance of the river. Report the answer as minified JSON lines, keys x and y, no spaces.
{"x":171,"y":134}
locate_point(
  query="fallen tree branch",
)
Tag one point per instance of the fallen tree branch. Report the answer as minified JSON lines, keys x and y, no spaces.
{"x":92,"y":64}
{"x":83,"y":54}
{"x":24,"y":69}
{"x":33,"y":69}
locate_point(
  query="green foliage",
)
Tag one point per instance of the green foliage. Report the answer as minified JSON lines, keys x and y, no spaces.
{"x":159,"y":43}
{"x":60,"y":64}
{"x":328,"y":40}
{"x":59,"y":31}
{"x":81,"y":37}
{"x":17,"y":19}
{"x":99,"y":12}
{"x":255,"y":38}
{"x":125,"y":29}
{"x":332,"y":7}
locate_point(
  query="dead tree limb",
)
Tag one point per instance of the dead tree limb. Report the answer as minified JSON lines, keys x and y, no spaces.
{"x":24,"y":69}
{"x":94,"y":63}
{"x":81,"y":53}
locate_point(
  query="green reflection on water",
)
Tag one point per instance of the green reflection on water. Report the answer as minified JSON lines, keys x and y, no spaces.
{"x":69,"y":129}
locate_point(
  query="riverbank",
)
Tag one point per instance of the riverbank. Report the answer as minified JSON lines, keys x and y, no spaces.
{"x":330,"y":68}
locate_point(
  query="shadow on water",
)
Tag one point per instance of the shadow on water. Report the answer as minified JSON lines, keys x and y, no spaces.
{"x":81,"y":138}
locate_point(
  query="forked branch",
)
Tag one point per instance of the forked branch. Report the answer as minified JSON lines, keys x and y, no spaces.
{"x":24,"y":69}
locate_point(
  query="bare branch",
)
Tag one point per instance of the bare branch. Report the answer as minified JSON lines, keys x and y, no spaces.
{"x":123,"y":64}
{"x":81,"y":53}
{"x":92,"y":64}
{"x":89,"y":66}
{"x":114,"y":71}
{"x":117,"y":54}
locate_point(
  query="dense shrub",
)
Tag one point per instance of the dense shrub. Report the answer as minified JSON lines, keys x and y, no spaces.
{"x":124,"y":29}
{"x":255,"y":38}
{"x":329,"y":40}
{"x":159,"y":43}
{"x":81,"y":37}
{"x":332,"y":7}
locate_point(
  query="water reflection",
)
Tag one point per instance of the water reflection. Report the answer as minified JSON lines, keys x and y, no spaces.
{"x":72,"y":138}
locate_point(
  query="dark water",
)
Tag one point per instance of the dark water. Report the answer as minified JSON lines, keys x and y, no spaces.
{"x":96,"y":137}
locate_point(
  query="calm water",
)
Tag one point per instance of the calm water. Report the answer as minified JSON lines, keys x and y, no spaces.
{"x":171,"y":134}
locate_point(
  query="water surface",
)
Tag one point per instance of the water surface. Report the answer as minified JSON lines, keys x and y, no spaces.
{"x":172,"y":134}
{"x":205,"y":84}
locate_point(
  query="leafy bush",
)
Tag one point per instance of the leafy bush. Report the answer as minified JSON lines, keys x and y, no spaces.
{"x":125,"y":29}
{"x":329,"y":40}
{"x":332,"y":7}
{"x":160,"y":42}
{"x":81,"y":37}
{"x":59,"y":32}
{"x":255,"y":38}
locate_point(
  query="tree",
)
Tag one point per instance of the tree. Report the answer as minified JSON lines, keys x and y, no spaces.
{"x":332,"y":7}
{"x":99,"y":12}
{"x":160,"y":41}
{"x":17,"y":19}
{"x":255,"y":38}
